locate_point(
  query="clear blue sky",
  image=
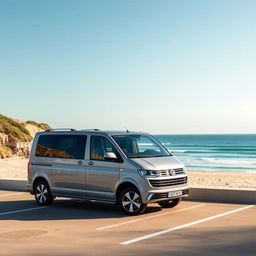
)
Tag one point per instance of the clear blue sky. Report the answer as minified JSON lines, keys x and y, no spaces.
{"x":158,"y":66}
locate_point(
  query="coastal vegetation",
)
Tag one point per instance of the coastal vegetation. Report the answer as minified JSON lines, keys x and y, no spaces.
{"x":5,"y":152}
{"x":11,"y":127}
{"x":42,"y":126}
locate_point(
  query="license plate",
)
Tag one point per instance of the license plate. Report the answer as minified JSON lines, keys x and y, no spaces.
{"x":175,"y":193}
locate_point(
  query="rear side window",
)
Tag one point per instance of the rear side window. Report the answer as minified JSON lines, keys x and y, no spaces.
{"x":61,"y":146}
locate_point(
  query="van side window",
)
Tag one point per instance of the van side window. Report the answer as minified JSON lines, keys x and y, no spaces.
{"x":61,"y":146}
{"x":100,"y":146}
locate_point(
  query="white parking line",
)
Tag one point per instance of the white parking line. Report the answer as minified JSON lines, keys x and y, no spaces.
{"x":13,"y":194}
{"x":149,"y":217}
{"x":24,"y":210}
{"x":185,"y":225}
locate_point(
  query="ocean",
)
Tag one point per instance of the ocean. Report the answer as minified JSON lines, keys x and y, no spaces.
{"x":229,"y":152}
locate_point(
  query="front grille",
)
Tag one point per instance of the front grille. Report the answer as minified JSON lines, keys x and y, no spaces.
{"x":171,"y":172}
{"x":179,"y":171}
{"x":185,"y":192}
{"x":168,"y":182}
{"x":159,"y":196}
{"x":163,"y":173}
{"x":165,"y":195}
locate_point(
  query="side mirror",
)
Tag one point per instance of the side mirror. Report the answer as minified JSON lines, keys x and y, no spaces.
{"x":110,"y":156}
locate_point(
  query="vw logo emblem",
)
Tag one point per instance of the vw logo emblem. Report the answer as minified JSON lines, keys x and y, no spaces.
{"x":172,"y":172}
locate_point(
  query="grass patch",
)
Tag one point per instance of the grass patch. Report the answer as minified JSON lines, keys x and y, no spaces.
{"x":5,"y":152}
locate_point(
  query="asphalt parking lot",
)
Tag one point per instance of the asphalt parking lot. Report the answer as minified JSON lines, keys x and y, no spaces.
{"x":75,"y":227}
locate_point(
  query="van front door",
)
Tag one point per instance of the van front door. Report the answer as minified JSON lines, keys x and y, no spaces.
{"x":102,"y":170}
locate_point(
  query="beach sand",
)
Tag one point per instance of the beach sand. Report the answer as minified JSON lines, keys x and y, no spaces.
{"x":213,"y":179}
{"x":17,"y":168}
{"x":13,"y":168}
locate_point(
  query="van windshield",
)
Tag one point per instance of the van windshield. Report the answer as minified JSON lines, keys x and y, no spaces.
{"x":140,"y":146}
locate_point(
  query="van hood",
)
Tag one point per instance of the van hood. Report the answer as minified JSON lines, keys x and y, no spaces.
{"x":158,"y":163}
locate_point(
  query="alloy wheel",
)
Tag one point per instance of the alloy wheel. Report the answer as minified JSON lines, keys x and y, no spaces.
{"x":41,"y":193}
{"x":131,"y":201}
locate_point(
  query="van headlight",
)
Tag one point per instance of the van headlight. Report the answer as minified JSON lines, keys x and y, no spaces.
{"x":148,"y":173}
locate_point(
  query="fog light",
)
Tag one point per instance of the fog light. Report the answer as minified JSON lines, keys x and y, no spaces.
{"x":149,"y":197}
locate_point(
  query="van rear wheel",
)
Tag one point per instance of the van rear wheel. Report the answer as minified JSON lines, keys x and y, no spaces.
{"x":43,"y":193}
{"x":131,"y":203}
{"x":170,"y":203}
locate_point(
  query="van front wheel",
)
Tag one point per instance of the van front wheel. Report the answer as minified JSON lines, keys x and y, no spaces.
{"x":169,"y":203}
{"x":131,"y":203}
{"x":43,"y":193}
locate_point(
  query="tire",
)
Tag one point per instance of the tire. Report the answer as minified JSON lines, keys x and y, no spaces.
{"x":43,"y":193}
{"x":170,"y":203}
{"x":130,"y":202}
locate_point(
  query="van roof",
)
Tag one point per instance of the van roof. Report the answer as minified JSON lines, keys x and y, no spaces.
{"x":91,"y":131}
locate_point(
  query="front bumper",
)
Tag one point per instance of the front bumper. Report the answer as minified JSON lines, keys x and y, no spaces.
{"x":154,"y":196}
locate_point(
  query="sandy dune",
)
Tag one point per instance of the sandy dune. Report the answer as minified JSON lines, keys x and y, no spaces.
{"x":17,"y":168}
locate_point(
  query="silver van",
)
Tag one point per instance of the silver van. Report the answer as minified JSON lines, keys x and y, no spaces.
{"x":130,"y":169}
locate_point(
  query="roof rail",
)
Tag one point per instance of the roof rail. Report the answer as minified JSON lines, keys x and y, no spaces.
{"x":60,"y":129}
{"x":91,"y":129}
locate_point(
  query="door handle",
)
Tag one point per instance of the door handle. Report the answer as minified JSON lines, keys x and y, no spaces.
{"x":91,"y":163}
{"x":80,"y":162}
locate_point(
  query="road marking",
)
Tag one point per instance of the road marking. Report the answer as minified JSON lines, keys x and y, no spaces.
{"x":149,"y":217}
{"x":24,"y":210}
{"x":13,"y":194}
{"x":184,"y":226}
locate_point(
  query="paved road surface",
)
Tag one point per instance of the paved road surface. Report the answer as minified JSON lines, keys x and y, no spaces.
{"x":74,"y":227}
